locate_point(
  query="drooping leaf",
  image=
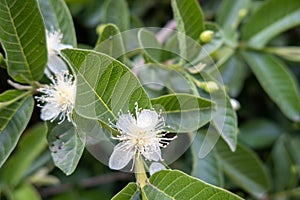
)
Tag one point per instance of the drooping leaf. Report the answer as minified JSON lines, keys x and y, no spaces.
{"x":184,"y":112}
{"x":277,"y":81}
{"x":174,"y":184}
{"x":209,"y":168}
{"x":104,"y":86}
{"x":29,"y":148}
{"x":131,"y":191}
{"x":58,"y":17}
{"x":66,"y":147}
{"x":117,"y":12}
{"x":14,"y":119}
{"x":150,"y":45}
{"x":259,"y":133}
{"x":110,"y":42}
{"x":22,"y":34}
{"x":277,"y":15}
{"x":244,"y":168}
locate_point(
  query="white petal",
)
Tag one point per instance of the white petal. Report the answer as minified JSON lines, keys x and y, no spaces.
{"x":49,"y":112}
{"x":56,"y":65}
{"x":63,"y":46}
{"x":120,"y":158}
{"x":147,"y":119}
{"x":155,"y":155}
{"x":126,"y":123}
{"x":155,"y":167}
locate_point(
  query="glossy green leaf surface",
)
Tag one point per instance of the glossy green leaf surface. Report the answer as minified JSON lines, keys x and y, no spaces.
{"x":173,"y":184}
{"x":104,"y":86}
{"x":66,"y":147}
{"x":184,"y":112}
{"x":131,"y":191}
{"x":57,"y":16}
{"x":277,"y":81}
{"x":13,"y":120}
{"x":22,"y":34}
{"x":277,"y":15}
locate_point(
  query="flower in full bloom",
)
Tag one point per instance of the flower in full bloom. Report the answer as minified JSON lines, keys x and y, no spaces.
{"x":142,"y":135}
{"x":55,"y":63}
{"x":59,"y":98}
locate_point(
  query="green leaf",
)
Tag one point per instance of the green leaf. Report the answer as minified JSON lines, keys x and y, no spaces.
{"x":66,"y":147}
{"x":190,"y":24}
{"x":22,"y":34}
{"x":111,"y":42}
{"x":131,"y":191}
{"x":291,"y":53}
{"x":57,"y":16}
{"x":277,"y":81}
{"x":285,"y":176}
{"x":173,"y":184}
{"x":29,"y":148}
{"x":104,"y":86}
{"x":234,"y":72}
{"x":277,"y":15}
{"x":184,"y":112}
{"x":189,"y":17}
{"x":259,"y":133}
{"x":26,"y":191}
{"x":244,"y":168}
{"x":209,"y":168}
{"x":117,"y":12}
{"x":150,"y":45}
{"x":228,"y":15}
{"x":14,"y":119}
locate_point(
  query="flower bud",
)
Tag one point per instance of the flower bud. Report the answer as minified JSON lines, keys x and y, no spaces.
{"x":206,"y":36}
{"x":100,"y":29}
{"x":242,"y":13}
{"x":235,"y":104}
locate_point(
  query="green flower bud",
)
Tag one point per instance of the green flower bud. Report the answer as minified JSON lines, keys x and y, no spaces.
{"x":206,"y":36}
{"x":100,"y":29}
{"x":242,"y":13}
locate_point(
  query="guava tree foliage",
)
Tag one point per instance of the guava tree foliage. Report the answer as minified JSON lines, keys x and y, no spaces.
{"x":141,"y":97}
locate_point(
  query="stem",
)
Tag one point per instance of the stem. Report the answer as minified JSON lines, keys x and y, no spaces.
{"x":140,"y":173}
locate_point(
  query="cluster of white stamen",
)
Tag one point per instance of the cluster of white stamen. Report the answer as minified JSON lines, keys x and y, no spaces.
{"x":143,"y":135}
{"x":59,"y":98}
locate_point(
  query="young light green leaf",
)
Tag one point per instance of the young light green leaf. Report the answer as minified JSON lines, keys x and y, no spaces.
{"x":209,"y":168}
{"x":117,"y":12}
{"x":277,"y":81}
{"x":131,"y":191}
{"x":174,"y":184}
{"x":259,"y":133}
{"x":111,"y":42}
{"x":58,"y":17}
{"x":104,"y":86}
{"x":244,"y":168}
{"x":184,"y":112}
{"x":13,"y":121}
{"x":291,"y":53}
{"x":150,"y":45}
{"x":66,"y":147}
{"x":29,"y":148}
{"x":278,"y":15}
{"x":22,"y":34}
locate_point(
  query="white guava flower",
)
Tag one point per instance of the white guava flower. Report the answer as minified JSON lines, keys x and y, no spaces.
{"x":142,"y":135}
{"x":55,"y":63}
{"x":59,"y":98}
{"x":156,"y":167}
